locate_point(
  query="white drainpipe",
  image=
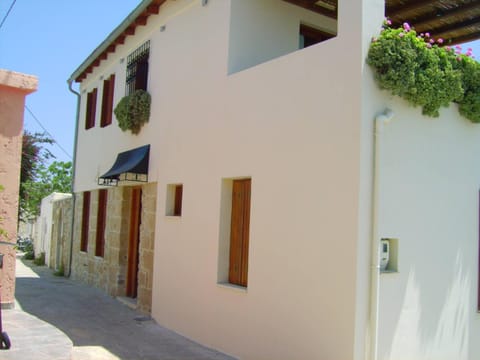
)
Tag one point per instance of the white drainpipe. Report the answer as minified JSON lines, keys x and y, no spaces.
{"x":380,"y":121}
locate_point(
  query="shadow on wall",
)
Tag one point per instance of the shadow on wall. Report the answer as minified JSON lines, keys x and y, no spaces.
{"x":433,"y":322}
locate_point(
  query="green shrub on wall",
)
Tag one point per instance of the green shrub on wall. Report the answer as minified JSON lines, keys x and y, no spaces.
{"x":133,"y":111}
{"x":416,"y":68}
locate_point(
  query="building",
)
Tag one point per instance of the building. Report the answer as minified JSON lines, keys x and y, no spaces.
{"x":53,"y":229}
{"x":14,"y":87}
{"x":256,"y":211}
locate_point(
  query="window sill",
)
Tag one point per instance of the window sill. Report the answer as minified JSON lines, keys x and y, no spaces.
{"x":388,"y":272}
{"x":236,"y":288}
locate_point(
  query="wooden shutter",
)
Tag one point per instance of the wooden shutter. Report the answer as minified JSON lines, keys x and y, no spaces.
{"x":239,"y":232}
{"x":107,"y":101}
{"x":91,"y":109}
{"x":177,"y":210}
{"x":85,"y":221}
{"x":101,"y":222}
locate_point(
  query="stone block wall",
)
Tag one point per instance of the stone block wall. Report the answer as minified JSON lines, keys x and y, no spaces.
{"x":109,"y":273}
{"x":61,"y":234}
{"x":147,"y":241}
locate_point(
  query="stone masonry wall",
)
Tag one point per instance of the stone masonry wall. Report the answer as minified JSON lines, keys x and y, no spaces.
{"x":109,"y":273}
{"x":62,"y":228}
{"x":147,"y":240}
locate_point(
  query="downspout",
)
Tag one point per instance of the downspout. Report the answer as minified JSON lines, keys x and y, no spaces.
{"x":380,"y":121}
{"x":69,"y":270}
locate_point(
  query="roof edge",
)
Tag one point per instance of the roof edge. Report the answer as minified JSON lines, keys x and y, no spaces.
{"x":110,"y":39}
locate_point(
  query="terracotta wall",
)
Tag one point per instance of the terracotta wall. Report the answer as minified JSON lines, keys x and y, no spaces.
{"x":14,"y":87}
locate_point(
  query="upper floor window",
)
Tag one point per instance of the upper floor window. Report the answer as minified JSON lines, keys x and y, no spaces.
{"x":310,"y":36}
{"x":137,"y":69}
{"x":91,"y":109}
{"x":107,"y":101}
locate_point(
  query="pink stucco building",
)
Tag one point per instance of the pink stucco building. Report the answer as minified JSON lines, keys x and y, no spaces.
{"x":14,"y":87}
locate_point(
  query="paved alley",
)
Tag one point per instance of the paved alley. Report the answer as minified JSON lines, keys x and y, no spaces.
{"x":99,"y":326}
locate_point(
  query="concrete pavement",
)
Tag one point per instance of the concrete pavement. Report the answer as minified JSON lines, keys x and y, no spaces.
{"x":53,"y":313}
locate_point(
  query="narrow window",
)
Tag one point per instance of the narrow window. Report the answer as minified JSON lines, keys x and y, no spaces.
{"x":101,"y":222}
{"x":174,"y":200}
{"x":310,"y":36}
{"x":107,"y":101}
{"x":137,"y":69}
{"x":91,"y":109}
{"x":239,"y":232}
{"x":177,"y":210}
{"x":85,"y":221}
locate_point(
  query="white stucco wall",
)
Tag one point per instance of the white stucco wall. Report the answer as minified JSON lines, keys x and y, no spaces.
{"x":430,"y":203}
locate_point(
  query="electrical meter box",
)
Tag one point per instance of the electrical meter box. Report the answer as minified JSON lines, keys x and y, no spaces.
{"x":384,"y":254}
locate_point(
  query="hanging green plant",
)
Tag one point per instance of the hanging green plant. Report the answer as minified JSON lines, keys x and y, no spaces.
{"x":417,"y":68}
{"x":133,"y":111}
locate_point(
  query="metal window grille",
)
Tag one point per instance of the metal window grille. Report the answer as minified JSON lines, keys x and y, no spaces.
{"x":137,"y":69}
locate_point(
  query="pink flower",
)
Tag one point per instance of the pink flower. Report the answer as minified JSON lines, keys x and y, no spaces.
{"x":432,"y":41}
{"x":422,"y":34}
{"x":440,"y":41}
{"x":402,"y":34}
{"x":458,"y":47}
{"x":448,"y":48}
{"x":427,"y":34}
{"x":459,"y":58}
{"x":389,"y":22}
{"x":429,"y":45}
{"x":406,"y":26}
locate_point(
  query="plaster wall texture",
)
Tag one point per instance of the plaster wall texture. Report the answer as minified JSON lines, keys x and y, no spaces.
{"x":14,"y":87}
{"x":429,"y":193}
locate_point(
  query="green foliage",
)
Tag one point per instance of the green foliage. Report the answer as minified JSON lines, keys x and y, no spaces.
{"x":415,"y":68}
{"x":57,"y":177}
{"x":60,"y":271}
{"x":133,"y":111}
{"x":40,"y":260}
{"x":29,"y":252}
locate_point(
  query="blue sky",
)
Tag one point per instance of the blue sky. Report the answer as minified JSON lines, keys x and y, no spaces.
{"x":50,"y":39}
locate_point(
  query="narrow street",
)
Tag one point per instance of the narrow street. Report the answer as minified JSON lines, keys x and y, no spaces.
{"x":99,"y":326}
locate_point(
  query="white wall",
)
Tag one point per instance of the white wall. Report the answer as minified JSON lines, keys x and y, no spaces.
{"x":430,"y":202}
{"x":272,"y":30}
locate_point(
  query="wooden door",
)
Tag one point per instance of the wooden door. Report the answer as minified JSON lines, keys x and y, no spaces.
{"x":239,"y":232}
{"x":133,"y":243}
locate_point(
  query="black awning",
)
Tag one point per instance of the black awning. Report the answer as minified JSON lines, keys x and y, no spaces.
{"x":131,"y":165}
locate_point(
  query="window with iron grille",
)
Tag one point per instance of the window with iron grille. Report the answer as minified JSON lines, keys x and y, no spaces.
{"x":137,"y":69}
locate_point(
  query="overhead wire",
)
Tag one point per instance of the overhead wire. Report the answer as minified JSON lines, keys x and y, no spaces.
{"x":8,"y":13}
{"x":47,"y":132}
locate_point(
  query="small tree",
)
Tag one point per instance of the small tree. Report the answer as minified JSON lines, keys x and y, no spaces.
{"x":57,"y":177}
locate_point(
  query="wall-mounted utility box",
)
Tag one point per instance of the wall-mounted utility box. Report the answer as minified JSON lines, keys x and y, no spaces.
{"x":388,"y":255}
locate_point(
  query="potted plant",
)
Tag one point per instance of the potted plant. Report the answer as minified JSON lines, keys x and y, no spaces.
{"x":133,"y":111}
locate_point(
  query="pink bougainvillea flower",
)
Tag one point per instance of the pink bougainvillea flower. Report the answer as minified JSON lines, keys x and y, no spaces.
{"x":402,"y":34}
{"x":427,"y":34}
{"x":448,"y":48}
{"x":388,"y":22}
{"x":429,"y":45}
{"x":432,"y":41}
{"x":440,"y":41}
{"x":406,"y":27}
{"x":422,"y":35}
{"x":459,"y":58}
{"x":458,"y":47}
